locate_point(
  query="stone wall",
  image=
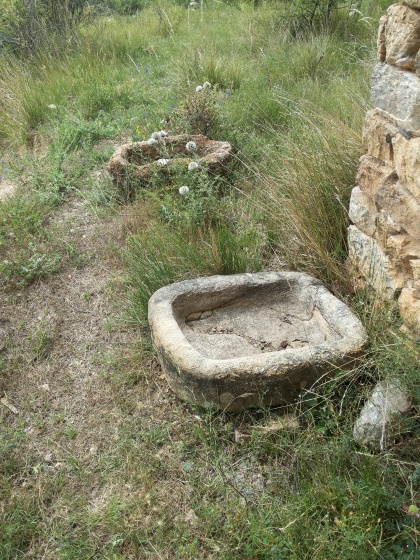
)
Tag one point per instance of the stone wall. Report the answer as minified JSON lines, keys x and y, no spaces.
{"x":384,"y":240}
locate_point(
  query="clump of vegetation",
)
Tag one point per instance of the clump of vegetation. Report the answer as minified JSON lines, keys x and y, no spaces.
{"x":132,"y":472}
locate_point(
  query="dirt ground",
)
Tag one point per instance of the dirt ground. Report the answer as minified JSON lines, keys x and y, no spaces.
{"x":64,"y":340}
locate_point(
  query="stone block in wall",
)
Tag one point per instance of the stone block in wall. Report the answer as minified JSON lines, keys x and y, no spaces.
{"x":372,"y":174}
{"x":399,"y":203}
{"x":379,"y":130}
{"x":381,"y":41}
{"x":371,"y":261}
{"x":397,"y":92}
{"x":402,"y":250}
{"x":386,"y":225}
{"x":409,"y":305}
{"x":362,"y":211}
{"x":407,"y":162}
{"x":415,"y":271}
{"x":399,"y":36}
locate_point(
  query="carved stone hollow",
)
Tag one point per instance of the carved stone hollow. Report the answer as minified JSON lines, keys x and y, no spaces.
{"x":251,"y":340}
{"x":138,"y":162}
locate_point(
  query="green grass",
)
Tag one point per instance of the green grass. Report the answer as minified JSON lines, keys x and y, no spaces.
{"x":145,"y":475}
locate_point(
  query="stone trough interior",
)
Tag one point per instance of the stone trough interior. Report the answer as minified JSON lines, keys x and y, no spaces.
{"x":255,"y":321}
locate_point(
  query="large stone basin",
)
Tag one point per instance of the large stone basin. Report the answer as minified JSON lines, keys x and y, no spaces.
{"x":251,"y":340}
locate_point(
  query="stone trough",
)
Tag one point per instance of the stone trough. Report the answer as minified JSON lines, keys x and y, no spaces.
{"x":251,"y":340}
{"x":138,"y":162}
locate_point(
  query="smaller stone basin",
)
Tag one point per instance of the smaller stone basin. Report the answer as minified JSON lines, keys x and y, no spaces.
{"x":251,"y":340}
{"x":137,"y":162}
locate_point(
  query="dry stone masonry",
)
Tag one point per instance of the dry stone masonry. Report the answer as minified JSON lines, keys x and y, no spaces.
{"x":139,"y":162}
{"x":384,"y":240}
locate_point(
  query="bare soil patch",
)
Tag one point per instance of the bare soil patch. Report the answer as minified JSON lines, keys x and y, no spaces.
{"x":74,"y":378}
{"x":7,"y":188}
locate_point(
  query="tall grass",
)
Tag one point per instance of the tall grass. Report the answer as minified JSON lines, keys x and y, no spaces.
{"x":305,"y":187}
{"x":159,"y":256}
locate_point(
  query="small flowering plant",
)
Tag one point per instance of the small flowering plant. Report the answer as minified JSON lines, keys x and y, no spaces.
{"x":193,"y":200}
{"x":184,"y":190}
{"x":193,"y":166}
{"x":191,"y":147}
{"x":198,"y":112}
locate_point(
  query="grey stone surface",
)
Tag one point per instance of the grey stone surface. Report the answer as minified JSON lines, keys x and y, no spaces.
{"x":397,"y":92}
{"x":250,"y":340}
{"x":372,"y":263}
{"x":374,"y":425}
{"x":362,"y":211}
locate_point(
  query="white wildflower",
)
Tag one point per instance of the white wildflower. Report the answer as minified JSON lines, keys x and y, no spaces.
{"x":191,"y":146}
{"x":193,"y":5}
{"x":52,"y":106}
{"x":163,"y":161}
{"x":207,"y":85}
{"x":193,"y":166}
{"x":184,"y":190}
{"x":152,"y":141}
{"x":163,"y":133}
{"x":354,"y":9}
{"x":199,"y":89}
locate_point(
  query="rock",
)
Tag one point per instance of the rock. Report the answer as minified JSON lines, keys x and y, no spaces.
{"x":415,"y":271}
{"x":399,"y":36}
{"x":381,"y":41}
{"x":399,"y":203}
{"x":372,"y":174}
{"x":397,"y":92}
{"x":384,"y":243}
{"x":362,"y":211}
{"x":409,"y":305}
{"x":370,"y":260}
{"x":244,"y":354}
{"x":288,"y":422}
{"x":401,"y":250}
{"x":386,"y":225}
{"x":137,"y":162}
{"x":379,"y":129}
{"x":415,"y":4}
{"x":407,"y":162}
{"x":374,"y":426}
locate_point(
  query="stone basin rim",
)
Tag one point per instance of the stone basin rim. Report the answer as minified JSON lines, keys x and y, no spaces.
{"x":352,"y":338}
